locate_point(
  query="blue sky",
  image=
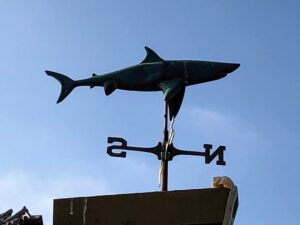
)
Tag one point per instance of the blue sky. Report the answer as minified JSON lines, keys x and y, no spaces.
{"x":51,"y":151}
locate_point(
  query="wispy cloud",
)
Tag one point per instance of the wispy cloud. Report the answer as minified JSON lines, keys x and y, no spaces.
{"x":19,"y":188}
{"x":218,"y":124}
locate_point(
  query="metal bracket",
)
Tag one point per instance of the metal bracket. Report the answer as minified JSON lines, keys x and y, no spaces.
{"x":159,"y":151}
{"x":155,"y":150}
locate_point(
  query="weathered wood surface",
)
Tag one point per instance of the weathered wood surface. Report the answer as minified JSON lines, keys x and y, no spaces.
{"x":186,"y":207}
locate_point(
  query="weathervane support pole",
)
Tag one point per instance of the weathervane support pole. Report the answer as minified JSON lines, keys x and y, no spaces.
{"x":164,"y":161}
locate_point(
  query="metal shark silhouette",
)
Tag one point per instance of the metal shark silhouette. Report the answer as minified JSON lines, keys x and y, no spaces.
{"x":152,"y":74}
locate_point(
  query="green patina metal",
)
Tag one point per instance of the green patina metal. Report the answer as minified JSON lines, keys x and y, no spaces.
{"x":153,"y":74}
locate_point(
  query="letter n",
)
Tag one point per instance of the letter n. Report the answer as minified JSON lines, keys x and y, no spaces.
{"x":218,"y":152}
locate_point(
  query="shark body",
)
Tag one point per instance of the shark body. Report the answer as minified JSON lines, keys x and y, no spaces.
{"x":152,"y":74}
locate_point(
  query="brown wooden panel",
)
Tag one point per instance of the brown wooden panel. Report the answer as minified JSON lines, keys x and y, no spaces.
{"x":187,"y":207}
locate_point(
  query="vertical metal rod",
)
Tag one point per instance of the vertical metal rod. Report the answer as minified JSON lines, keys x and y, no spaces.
{"x":164,"y":161}
{"x":164,"y":167}
{"x":166,"y":132}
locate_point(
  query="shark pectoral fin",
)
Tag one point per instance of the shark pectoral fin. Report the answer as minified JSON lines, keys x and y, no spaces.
{"x":174,"y":93}
{"x":171,"y":88}
{"x":151,"y":56}
{"x":175,"y":103}
{"x":109,"y":87}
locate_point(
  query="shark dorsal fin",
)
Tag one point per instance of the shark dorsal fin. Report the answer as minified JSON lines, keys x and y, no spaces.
{"x":151,"y":56}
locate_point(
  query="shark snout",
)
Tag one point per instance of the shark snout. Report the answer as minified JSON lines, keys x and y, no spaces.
{"x":230,"y":67}
{"x":225,"y":68}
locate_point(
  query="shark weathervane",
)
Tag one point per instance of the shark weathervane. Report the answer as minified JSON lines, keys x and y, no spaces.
{"x":156,"y":74}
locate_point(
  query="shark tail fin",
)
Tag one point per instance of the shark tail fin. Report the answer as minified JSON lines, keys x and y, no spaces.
{"x":67,"y":84}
